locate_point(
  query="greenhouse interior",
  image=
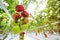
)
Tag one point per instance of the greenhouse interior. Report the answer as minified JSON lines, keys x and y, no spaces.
{"x":29,"y":19}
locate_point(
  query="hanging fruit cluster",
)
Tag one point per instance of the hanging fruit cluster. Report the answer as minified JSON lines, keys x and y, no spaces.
{"x":20,"y":13}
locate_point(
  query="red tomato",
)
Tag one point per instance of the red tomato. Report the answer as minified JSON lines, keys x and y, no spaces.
{"x":25,"y":14}
{"x":19,"y":8}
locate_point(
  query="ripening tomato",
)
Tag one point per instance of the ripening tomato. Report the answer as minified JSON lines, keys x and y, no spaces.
{"x":19,"y":8}
{"x":45,"y":35}
{"x":25,"y":20}
{"x":58,"y":24}
{"x":55,"y":30}
{"x":16,"y":16}
{"x":22,"y":33}
{"x":25,"y":14}
{"x":51,"y":32}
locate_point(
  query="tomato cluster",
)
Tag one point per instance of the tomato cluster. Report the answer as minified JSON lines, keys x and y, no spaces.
{"x":20,"y":12}
{"x":20,"y":8}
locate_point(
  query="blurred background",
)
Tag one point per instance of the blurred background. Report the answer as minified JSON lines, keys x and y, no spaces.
{"x":44,"y":16}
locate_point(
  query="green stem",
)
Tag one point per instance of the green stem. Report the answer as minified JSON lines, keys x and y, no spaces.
{"x":20,"y":24}
{"x":21,"y":37}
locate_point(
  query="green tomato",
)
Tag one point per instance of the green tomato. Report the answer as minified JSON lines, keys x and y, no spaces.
{"x":24,"y":27}
{"x":4,"y":14}
{"x":15,"y":29}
